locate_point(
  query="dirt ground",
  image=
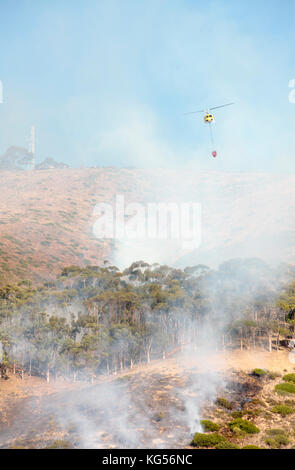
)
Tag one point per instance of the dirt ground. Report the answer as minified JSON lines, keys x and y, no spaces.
{"x":238,"y":360}
{"x":150,"y":405}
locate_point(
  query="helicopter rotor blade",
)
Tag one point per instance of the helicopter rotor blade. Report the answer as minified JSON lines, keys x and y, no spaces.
{"x":222,"y":106}
{"x":193,"y":112}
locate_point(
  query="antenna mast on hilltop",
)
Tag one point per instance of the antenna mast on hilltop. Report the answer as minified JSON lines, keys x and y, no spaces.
{"x":32,"y":143}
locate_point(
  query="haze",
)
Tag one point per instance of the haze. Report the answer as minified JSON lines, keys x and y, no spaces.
{"x":105,"y":82}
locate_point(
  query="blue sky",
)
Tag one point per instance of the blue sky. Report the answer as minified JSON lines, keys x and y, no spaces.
{"x":105,"y":81}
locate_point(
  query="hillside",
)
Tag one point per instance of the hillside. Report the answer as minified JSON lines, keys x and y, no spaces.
{"x":35,"y":414}
{"x":46,"y":217}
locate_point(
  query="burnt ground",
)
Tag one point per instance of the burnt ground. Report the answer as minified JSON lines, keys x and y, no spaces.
{"x":133,"y":410}
{"x":155,"y":406}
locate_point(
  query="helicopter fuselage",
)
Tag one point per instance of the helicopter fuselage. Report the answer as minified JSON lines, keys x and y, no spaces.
{"x":209,"y":117}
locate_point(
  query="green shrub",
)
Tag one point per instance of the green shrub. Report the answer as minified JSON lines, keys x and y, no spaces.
{"x":276,"y":438}
{"x":237,"y":414}
{"x":290,"y":403}
{"x":243,"y":425}
{"x":285,"y":388}
{"x":224,"y":403}
{"x":275,"y":432}
{"x":259,"y":372}
{"x":59,"y":444}
{"x":208,"y":425}
{"x":251,"y":446}
{"x":207,"y":440}
{"x":240,"y":414}
{"x":289,"y":378}
{"x":283,"y":410}
{"x":255,"y":412}
{"x":227,"y":445}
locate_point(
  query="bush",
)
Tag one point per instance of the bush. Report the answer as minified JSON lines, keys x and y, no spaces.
{"x":251,"y":446}
{"x":290,"y":403}
{"x":224,"y":403}
{"x":259,"y":372}
{"x":275,"y":432}
{"x":227,"y":445}
{"x":277,"y":438}
{"x":285,"y":388}
{"x":240,"y":414}
{"x":283,"y":410}
{"x":207,"y":440}
{"x":208,"y":425}
{"x":237,"y":414}
{"x":255,"y":412}
{"x":243,"y":425}
{"x":59,"y":444}
{"x":289,"y":378}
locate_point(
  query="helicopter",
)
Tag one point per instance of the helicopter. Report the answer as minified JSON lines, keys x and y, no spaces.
{"x":209,"y":119}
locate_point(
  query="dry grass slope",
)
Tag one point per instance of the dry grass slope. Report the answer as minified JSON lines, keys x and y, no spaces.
{"x":46,"y":217}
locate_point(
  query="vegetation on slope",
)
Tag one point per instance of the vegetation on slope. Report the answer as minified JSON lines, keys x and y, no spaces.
{"x":97,"y":320}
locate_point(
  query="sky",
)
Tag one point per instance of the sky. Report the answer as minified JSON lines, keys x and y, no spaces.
{"x":105,"y":82}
